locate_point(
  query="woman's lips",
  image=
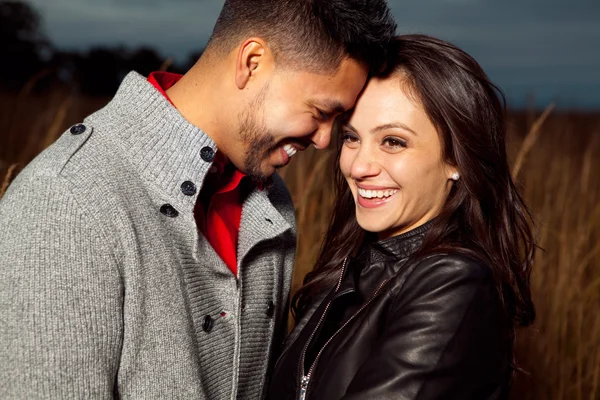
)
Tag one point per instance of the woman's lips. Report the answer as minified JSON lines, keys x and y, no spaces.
{"x":370,"y":198}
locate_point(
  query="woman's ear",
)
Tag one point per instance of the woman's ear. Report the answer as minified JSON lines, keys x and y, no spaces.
{"x":452,"y":173}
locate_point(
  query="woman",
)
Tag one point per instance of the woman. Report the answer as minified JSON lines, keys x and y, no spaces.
{"x":424,"y":273}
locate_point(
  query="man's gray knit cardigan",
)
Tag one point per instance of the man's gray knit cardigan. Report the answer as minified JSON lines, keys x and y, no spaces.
{"x":105,"y":291}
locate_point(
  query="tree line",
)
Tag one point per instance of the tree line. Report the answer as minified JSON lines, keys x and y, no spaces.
{"x":28,"y":54}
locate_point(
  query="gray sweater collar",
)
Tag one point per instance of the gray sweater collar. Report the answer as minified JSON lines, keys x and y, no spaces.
{"x":165,"y":149}
{"x":158,"y":140}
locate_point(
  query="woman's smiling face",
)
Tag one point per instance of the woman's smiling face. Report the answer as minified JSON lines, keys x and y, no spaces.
{"x":392,"y":159}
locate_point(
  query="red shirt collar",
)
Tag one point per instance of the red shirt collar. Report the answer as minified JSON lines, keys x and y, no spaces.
{"x":163,"y":81}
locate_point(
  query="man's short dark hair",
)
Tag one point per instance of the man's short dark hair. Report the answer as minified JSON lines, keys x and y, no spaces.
{"x":309,"y":34}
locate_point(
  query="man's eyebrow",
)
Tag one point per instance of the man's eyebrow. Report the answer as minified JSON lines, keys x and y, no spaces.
{"x":331,"y":106}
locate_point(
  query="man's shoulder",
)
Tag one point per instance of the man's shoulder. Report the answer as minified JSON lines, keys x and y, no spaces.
{"x":51,"y":162}
{"x":77,"y":163}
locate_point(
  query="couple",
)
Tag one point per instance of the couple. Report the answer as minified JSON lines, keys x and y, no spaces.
{"x":148,"y":253}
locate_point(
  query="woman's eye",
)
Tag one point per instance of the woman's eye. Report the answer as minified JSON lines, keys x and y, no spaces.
{"x":394,"y":142}
{"x":349,"y":138}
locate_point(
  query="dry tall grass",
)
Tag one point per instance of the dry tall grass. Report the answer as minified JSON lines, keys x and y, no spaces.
{"x":560,"y":182}
{"x":556,"y":160}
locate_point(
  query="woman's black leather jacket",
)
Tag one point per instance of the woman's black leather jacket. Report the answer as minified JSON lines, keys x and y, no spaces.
{"x":396,"y":327}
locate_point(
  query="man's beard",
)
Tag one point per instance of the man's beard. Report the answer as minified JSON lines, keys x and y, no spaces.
{"x":258,"y":142}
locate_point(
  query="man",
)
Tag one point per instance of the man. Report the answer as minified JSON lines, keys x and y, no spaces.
{"x":148,"y":253}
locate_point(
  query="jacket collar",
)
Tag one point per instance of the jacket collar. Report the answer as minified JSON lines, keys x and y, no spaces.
{"x":401,"y":246}
{"x":380,"y":259}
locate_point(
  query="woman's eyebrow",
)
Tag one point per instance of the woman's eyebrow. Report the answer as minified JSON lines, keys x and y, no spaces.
{"x":349,"y":125}
{"x":383,"y":127}
{"x":393,"y":125}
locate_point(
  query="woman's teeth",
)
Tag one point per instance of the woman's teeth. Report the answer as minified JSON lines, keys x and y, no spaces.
{"x":290,"y":150}
{"x":380,"y":194}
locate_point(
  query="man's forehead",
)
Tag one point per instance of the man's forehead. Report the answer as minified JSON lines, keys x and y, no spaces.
{"x":345,"y":75}
{"x":336,"y":98}
{"x":331,"y":93}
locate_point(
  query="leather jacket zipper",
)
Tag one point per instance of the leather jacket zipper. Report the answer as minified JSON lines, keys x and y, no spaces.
{"x":305,"y":380}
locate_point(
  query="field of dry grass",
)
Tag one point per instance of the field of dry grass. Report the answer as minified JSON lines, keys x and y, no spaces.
{"x":556,"y":159}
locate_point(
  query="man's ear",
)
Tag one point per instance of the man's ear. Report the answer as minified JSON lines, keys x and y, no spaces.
{"x":253,"y":56}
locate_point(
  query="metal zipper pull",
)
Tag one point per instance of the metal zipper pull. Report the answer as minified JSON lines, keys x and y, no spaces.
{"x":303,"y":387}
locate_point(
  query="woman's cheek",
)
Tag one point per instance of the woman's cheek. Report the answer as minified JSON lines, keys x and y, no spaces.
{"x":345,"y":162}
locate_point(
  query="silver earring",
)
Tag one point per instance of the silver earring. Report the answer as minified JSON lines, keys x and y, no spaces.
{"x":455,"y":176}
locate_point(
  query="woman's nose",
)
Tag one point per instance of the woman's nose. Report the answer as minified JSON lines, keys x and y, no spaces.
{"x":364,"y":164}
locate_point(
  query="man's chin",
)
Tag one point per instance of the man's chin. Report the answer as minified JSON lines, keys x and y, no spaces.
{"x":261,"y":172}
{"x":263,"y":175}
{"x":267,"y":173}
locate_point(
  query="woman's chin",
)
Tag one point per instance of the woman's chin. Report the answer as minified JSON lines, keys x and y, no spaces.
{"x":373,"y":226}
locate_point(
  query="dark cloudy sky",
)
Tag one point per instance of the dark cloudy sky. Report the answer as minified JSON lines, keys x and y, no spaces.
{"x":548,"y":48}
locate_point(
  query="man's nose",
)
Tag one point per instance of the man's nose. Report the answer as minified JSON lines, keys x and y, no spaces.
{"x":322,"y":136}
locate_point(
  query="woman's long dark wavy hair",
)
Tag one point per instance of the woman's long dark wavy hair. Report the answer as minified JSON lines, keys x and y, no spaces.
{"x":484,"y":216}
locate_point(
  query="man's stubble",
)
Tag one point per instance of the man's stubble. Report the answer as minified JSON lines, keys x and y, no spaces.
{"x":257,"y":141}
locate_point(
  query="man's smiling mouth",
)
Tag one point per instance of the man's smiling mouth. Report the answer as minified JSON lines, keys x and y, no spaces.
{"x":290,"y":150}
